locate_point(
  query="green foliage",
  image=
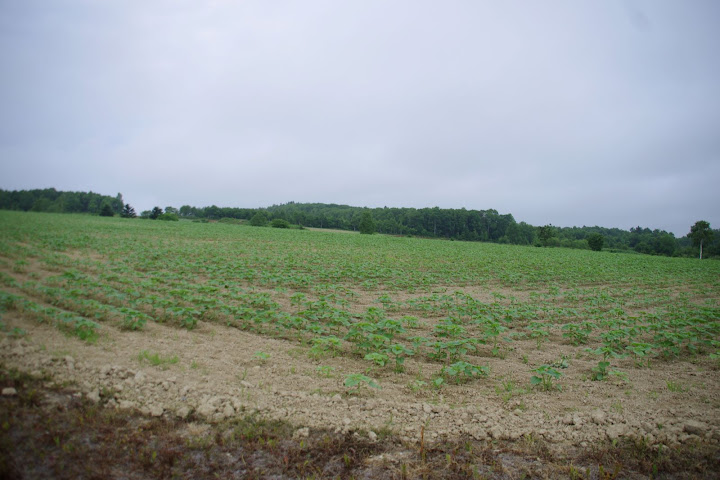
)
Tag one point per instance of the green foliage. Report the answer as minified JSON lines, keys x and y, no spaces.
{"x":259,"y":219}
{"x":128,"y":211}
{"x":356,"y":380}
{"x":132,"y":319}
{"x":640,"y":351}
{"x":700,"y":233}
{"x":579,"y":334}
{"x":155,"y":213}
{"x":469,"y":225}
{"x":378,"y":358}
{"x":410,"y":321}
{"x":279,"y":223}
{"x":156,"y":360}
{"x":168,"y":217}
{"x":367,"y":224}
{"x":675,"y":387}
{"x":325,"y":371}
{"x":460,"y":372}
{"x":545,"y":233}
{"x":451,"y":350}
{"x":106,"y":210}
{"x":539,"y":333}
{"x":595,"y":241}
{"x":262,"y":356}
{"x":400,"y":352}
{"x":545,"y":377}
{"x":600,"y":372}
{"x":323,"y":289}
{"x":325,"y":346}
{"x":51,"y":200}
{"x":445,"y":330}
{"x":607,"y":351}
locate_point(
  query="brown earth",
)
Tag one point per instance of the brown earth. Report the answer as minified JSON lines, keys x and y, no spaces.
{"x":222,"y":372}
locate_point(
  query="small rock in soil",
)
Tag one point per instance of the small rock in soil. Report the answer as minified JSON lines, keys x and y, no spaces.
{"x":9,"y":392}
{"x":694,"y":427}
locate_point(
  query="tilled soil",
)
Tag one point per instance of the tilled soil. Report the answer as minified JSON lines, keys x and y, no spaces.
{"x":56,"y":432}
{"x":215,"y":375}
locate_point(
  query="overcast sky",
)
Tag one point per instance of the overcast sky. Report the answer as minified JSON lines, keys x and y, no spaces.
{"x":564,"y":112}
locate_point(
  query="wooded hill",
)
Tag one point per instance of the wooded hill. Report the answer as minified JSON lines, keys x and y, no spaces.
{"x":453,"y":224}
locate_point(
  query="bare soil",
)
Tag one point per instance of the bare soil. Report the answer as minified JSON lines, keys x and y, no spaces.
{"x":208,"y":379}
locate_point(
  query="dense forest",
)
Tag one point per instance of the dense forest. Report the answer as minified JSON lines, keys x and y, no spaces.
{"x":453,"y":224}
{"x":462,"y":224}
{"x":51,"y":200}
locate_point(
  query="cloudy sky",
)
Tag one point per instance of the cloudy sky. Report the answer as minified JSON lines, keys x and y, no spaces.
{"x":565,"y":112}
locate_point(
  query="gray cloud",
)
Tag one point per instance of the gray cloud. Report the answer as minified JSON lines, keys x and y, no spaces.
{"x":571,"y":113}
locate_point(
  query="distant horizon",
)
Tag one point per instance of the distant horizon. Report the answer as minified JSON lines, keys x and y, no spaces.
{"x":140,"y":209}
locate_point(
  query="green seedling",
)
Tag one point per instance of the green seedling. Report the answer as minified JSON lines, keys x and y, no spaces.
{"x":325,"y":346}
{"x":418,"y":341}
{"x":579,"y":334}
{"x":606,"y":351}
{"x":417,"y":385}
{"x":538,"y":333}
{"x":562,"y":362}
{"x":262,"y":356}
{"x":17,"y":332}
{"x":379,"y":359}
{"x":409,"y":321}
{"x":325,"y":371}
{"x":357,"y":380}
{"x":448,"y":330}
{"x":400,"y":352}
{"x":461,"y":372}
{"x":492,"y":331}
{"x":133,"y":322}
{"x":297,"y":298}
{"x":675,"y":387}
{"x":451,"y":350}
{"x":545,"y":377}
{"x":640,"y":350}
{"x":600,"y":372}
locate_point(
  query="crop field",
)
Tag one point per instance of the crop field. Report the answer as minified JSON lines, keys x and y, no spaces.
{"x":422,"y":341}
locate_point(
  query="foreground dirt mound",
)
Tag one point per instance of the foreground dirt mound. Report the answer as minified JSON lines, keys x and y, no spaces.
{"x":202,"y":386}
{"x":216,"y":373}
{"x":53,"y":432}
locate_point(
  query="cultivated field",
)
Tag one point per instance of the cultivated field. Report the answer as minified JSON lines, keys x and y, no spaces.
{"x":418,"y":341}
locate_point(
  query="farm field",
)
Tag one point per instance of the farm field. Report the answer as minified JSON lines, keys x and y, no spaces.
{"x":421,"y":341}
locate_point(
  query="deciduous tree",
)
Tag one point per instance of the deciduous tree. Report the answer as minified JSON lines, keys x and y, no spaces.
{"x":596,"y":241}
{"x":700,"y":233}
{"x":259,"y":219}
{"x":367,"y":224}
{"x":106,"y":210}
{"x":545,"y":233}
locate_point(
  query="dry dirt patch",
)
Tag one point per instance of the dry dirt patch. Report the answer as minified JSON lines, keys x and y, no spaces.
{"x":217,"y":373}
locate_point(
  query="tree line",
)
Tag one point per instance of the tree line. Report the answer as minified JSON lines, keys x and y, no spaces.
{"x":469,"y":225}
{"x":453,"y":224}
{"x":51,"y":200}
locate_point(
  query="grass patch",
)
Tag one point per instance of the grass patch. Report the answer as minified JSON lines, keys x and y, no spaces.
{"x":156,"y":360}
